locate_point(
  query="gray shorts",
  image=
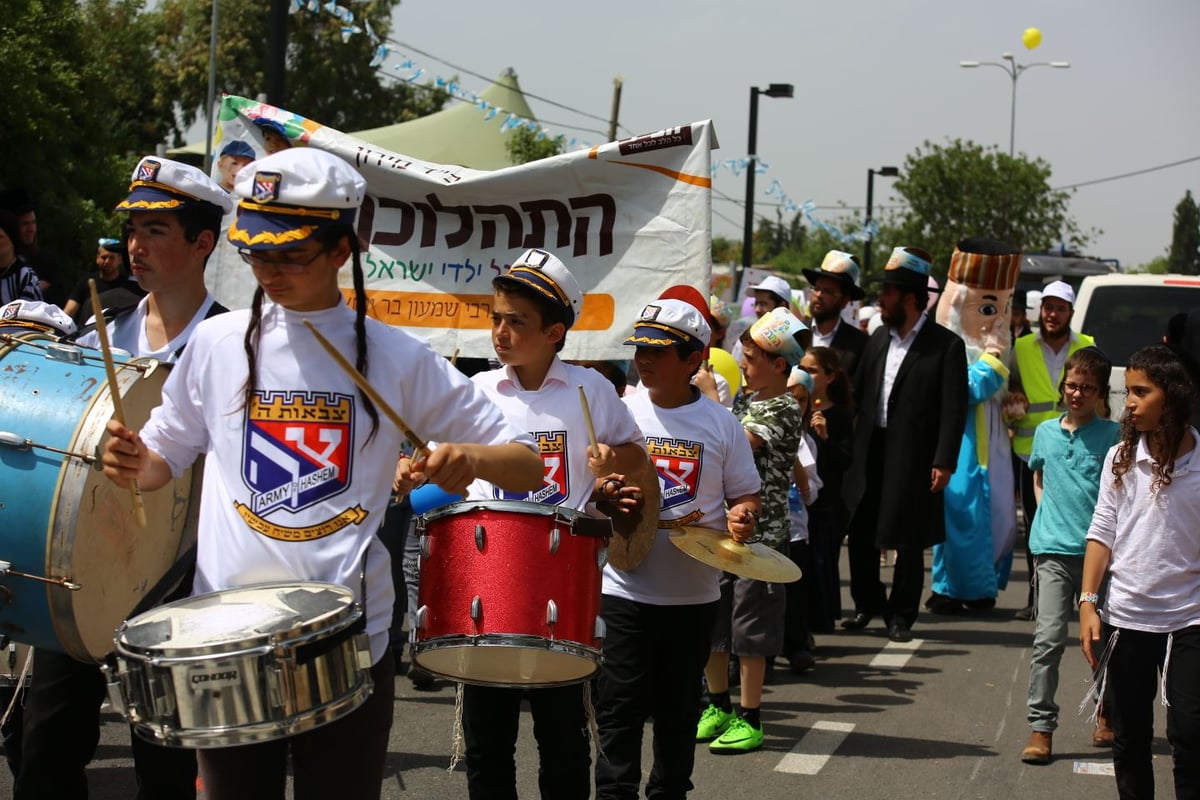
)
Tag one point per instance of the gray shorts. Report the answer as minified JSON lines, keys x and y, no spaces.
{"x":749,"y":617}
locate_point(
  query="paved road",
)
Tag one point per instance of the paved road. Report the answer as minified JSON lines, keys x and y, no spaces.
{"x":941,"y":717}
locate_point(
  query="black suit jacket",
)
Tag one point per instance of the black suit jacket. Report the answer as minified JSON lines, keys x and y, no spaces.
{"x":848,"y":342}
{"x":927,"y":412}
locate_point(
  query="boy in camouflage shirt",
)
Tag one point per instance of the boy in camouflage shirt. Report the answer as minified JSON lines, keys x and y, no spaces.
{"x":751,"y":614}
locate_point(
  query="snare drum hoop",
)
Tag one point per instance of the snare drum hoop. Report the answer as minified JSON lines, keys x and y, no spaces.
{"x":327,"y":624}
{"x":562,"y":515}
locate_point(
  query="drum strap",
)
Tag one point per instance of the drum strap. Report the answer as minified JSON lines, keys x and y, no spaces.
{"x":180,"y":574}
{"x":600,"y":527}
{"x":307,"y":652}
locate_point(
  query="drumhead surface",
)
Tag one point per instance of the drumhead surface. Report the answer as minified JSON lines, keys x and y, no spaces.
{"x":501,"y":506}
{"x":243,"y":617}
{"x":508,"y":661}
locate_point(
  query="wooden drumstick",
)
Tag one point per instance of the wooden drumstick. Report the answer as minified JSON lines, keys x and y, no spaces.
{"x":587,"y":418}
{"x":454,"y":357}
{"x":114,"y":391}
{"x":419,"y":444}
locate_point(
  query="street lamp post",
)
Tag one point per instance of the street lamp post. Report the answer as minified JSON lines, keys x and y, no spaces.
{"x":1014,"y":71}
{"x":772,"y":90}
{"x":883,"y":172}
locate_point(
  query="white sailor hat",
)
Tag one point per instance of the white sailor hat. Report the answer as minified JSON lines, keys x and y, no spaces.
{"x":159,"y":184}
{"x":548,"y":276}
{"x":36,"y":315}
{"x":667,"y":323}
{"x":286,"y":197}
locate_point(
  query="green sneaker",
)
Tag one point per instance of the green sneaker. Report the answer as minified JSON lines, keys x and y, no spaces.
{"x":713,"y":723}
{"x":739,"y":737}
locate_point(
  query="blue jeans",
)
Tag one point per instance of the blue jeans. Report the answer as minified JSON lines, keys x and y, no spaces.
{"x":1057,"y":583}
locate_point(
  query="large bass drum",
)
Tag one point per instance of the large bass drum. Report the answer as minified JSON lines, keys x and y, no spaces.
{"x":74,"y":562}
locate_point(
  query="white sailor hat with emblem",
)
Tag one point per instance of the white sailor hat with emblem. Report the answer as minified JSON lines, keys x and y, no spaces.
{"x":667,"y":323}
{"x":286,"y":197}
{"x":546,"y":274}
{"x":160,"y":184}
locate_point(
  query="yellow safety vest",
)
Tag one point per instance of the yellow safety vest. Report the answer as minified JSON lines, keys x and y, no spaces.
{"x":1041,"y":391}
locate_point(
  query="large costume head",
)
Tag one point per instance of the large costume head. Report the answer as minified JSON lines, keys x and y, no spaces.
{"x":976,"y":302}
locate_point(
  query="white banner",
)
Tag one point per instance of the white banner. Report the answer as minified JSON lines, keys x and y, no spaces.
{"x":629,"y":219}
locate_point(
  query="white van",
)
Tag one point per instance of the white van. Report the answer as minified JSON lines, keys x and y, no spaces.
{"x":1128,"y":312}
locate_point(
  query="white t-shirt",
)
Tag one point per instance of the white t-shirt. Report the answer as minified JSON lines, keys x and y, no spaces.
{"x":806,"y":454}
{"x":553,"y":415}
{"x":1155,"y":543}
{"x":702,"y":457}
{"x":128,"y":333}
{"x":293,"y":489}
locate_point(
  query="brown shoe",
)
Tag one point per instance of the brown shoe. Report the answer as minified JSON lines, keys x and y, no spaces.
{"x":1038,"y":749}
{"x":1103,"y":735}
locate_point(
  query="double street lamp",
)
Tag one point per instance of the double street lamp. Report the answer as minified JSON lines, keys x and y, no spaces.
{"x":1014,"y":70}
{"x":883,"y":172}
{"x":772,"y":90}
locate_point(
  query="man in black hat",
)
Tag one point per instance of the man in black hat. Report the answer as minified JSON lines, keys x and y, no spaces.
{"x":1019,"y":326}
{"x":912,"y":406}
{"x":833,"y":286}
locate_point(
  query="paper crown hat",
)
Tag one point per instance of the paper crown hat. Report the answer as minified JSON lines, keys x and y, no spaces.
{"x":985,"y":264}
{"x":780,"y":333}
{"x":842,"y":267}
{"x":908,"y":267}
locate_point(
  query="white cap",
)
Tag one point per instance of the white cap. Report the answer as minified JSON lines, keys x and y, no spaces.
{"x":546,"y":274}
{"x":666,"y":323}
{"x":289,"y":195}
{"x":160,"y":184}
{"x":1060,"y":289}
{"x":776,"y":286}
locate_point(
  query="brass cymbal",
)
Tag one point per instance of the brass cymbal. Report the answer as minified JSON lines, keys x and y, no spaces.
{"x":718,"y":549}
{"x":633,"y":533}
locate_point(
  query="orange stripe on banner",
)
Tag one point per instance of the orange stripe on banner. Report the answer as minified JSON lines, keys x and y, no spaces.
{"x":595,"y":149}
{"x":465,"y":311}
{"x":682,"y":177}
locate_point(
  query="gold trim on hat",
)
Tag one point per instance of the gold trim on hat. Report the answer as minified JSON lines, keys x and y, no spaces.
{"x":237,"y":234}
{"x":148,"y":205}
{"x":650,"y":340}
{"x":659,"y":326}
{"x":295,"y":211}
{"x":558,"y":295}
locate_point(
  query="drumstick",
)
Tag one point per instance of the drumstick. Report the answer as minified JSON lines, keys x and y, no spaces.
{"x":114,"y":391}
{"x":454,"y":357}
{"x":587,"y":417}
{"x":419,"y":445}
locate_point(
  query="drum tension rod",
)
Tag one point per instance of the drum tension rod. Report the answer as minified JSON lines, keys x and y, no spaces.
{"x":19,"y":442}
{"x":66,"y":583}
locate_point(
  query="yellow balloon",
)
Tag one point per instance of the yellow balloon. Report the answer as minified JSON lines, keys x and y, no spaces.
{"x":1032,"y":37}
{"x":723,"y":363}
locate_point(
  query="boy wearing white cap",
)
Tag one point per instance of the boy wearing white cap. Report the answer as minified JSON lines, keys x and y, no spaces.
{"x":174,"y":219}
{"x":750,"y":620}
{"x":295,"y":229}
{"x":660,"y":615}
{"x":534,"y":304}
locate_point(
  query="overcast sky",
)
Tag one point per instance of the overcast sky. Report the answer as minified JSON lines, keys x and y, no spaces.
{"x":873,"y":79}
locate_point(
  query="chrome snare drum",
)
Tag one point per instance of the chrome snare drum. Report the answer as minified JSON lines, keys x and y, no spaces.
{"x":510,"y":593}
{"x":241,"y":665}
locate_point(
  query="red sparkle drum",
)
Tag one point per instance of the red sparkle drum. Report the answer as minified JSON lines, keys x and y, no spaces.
{"x":510,"y":593}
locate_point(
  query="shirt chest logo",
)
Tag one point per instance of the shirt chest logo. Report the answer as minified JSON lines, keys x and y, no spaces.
{"x":678,"y":464}
{"x":556,"y":480}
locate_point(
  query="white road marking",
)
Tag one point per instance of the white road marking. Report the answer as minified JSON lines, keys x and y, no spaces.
{"x":815,"y":748}
{"x":895,"y":654}
{"x":1094,"y":768}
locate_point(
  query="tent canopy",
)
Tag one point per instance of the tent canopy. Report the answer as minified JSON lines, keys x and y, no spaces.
{"x":457,"y":135}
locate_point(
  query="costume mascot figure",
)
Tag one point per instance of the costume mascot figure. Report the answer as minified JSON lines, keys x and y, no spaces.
{"x":973,"y":564}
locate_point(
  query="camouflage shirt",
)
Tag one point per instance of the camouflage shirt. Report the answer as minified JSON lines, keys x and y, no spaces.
{"x":777,"y":422}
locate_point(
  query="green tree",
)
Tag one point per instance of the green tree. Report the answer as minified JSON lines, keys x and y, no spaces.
{"x":524,"y":145}
{"x":327,"y":79}
{"x":726,"y":250}
{"x":964,"y":189}
{"x":1184,"y":256}
{"x":1155,"y":266}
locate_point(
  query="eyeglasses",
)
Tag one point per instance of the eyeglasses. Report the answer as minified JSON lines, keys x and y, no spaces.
{"x":288,"y":266}
{"x":108,"y":242}
{"x":1082,"y":388}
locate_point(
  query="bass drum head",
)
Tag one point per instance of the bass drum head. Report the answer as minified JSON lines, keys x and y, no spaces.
{"x":515,"y":661}
{"x":94,"y":537}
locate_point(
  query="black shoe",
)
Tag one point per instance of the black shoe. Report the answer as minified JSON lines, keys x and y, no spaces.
{"x":899,"y":632}
{"x":941,"y":604}
{"x":1027,"y":613}
{"x":982,"y":604}
{"x":857,"y":622}
{"x":801,"y":661}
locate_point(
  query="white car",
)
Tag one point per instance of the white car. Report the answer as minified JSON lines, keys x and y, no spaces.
{"x":1127,"y":312}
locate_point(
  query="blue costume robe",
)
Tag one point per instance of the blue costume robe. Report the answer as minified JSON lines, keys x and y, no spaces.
{"x":981,"y":523}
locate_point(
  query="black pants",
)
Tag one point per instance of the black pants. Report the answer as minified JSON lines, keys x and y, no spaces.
{"x":62,"y":729}
{"x":801,"y":595}
{"x":491,"y":719}
{"x":1133,"y":672}
{"x":826,"y":530}
{"x":653,"y":659}
{"x":344,"y":759}
{"x":1028,"y":511}
{"x":908,"y":575}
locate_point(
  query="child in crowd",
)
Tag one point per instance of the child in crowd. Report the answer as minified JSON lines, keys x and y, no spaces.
{"x":284,"y":397}
{"x":805,"y":488}
{"x":832,"y":428}
{"x":534,"y":304}
{"x":1066,"y":458}
{"x":1146,"y":533}
{"x":751,"y":617}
